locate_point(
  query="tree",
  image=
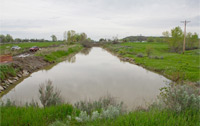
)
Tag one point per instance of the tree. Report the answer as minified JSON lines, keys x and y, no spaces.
{"x":71,"y":36}
{"x":83,"y":36}
{"x":18,"y":40}
{"x":150,"y":39}
{"x":176,"y":39}
{"x":54,"y":38}
{"x":191,"y":40}
{"x":65,"y":36}
{"x":166,"y":35}
{"x":2,"y":38}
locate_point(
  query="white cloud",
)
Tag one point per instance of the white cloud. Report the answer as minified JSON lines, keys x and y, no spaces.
{"x":97,"y":18}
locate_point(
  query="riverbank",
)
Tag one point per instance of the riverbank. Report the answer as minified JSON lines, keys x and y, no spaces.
{"x":173,"y":108}
{"x":177,"y":67}
{"x":60,"y":115}
{"x":23,"y":66}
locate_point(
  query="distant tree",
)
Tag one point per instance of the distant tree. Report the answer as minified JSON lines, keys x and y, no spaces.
{"x":166,"y":35}
{"x":101,"y":40}
{"x":54,"y":38}
{"x":2,"y":38}
{"x":192,"y":40}
{"x":65,"y":36}
{"x":176,"y":39}
{"x":18,"y":40}
{"x":150,"y":39}
{"x":9,"y":38}
{"x":83,"y":36}
{"x":71,"y":36}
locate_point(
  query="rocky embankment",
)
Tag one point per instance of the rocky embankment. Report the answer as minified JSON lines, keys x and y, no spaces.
{"x":25,"y":66}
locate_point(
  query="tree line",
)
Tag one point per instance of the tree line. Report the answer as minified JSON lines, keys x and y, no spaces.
{"x":8,"y":38}
{"x":71,"y":36}
{"x":175,"y":37}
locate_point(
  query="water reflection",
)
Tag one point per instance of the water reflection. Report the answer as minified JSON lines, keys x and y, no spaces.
{"x":86,"y":51}
{"x":92,"y":76}
{"x":71,"y":59}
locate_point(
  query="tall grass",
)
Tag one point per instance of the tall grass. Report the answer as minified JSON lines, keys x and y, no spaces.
{"x":7,"y":71}
{"x":54,"y":54}
{"x":107,"y":112}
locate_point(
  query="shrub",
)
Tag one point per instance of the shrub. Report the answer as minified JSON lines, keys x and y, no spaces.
{"x":86,"y":44}
{"x":149,"y":50}
{"x":140,"y":55}
{"x":48,"y":95}
{"x":180,"y":97}
{"x":102,"y":103}
{"x":111,"y":112}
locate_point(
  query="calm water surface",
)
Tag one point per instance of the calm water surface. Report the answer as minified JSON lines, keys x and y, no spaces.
{"x":92,"y":74}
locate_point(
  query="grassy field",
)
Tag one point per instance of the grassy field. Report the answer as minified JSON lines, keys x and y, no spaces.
{"x":34,"y":116}
{"x":172,"y":65}
{"x":50,"y":54}
{"x":55,"y":53}
{"x":6,"y":48}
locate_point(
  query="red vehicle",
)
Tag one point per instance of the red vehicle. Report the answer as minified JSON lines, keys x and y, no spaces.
{"x":34,"y":49}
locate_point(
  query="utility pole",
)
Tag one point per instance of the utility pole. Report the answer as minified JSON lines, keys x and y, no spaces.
{"x":185,"y":22}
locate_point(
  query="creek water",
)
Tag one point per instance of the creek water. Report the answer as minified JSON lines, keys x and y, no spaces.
{"x":91,"y":74}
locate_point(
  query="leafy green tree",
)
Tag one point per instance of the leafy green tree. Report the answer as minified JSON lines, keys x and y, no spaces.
{"x":166,"y":36}
{"x":54,"y":38}
{"x":191,"y":40}
{"x":83,"y":36}
{"x":2,"y":38}
{"x":9,"y":38}
{"x":176,"y":40}
{"x":18,"y":40}
{"x":71,"y":36}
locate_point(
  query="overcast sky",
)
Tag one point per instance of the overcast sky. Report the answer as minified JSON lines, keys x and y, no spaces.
{"x":97,"y":18}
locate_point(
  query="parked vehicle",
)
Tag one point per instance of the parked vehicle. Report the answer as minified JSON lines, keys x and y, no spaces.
{"x":34,"y":49}
{"x":15,"y":48}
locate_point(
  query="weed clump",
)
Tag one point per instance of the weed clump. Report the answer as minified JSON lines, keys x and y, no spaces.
{"x":102,"y":103}
{"x":140,"y":55}
{"x":180,"y":98}
{"x":48,"y":95}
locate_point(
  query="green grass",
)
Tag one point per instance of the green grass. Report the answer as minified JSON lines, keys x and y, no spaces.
{"x":151,"y":118}
{"x":7,"y":71}
{"x":55,"y":56}
{"x":6,"y":48}
{"x":34,"y":116}
{"x":172,"y":65}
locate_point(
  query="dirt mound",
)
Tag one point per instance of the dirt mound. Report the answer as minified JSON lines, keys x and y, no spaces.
{"x":30,"y":63}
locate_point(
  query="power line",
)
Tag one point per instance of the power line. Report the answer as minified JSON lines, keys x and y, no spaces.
{"x":185,"y":22}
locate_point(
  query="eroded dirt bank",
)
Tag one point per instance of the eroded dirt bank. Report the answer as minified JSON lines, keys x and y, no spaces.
{"x":24,"y":66}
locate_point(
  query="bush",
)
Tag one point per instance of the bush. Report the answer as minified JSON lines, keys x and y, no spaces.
{"x":102,"y":103}
{"x":140,"y":55}
{"x":149,"y":50}
{"x":48,"y":95}
{"x":180,"y":97}
{"x":86,"y":44}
